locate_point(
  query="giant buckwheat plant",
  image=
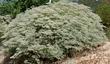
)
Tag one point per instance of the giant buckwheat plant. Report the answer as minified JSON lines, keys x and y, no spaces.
{"x":50,"y":31}
{"x":4,"y":20}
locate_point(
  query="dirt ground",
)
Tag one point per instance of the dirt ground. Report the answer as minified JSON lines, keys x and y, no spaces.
{"x":100,"y":56}
{"x":1,"y":57}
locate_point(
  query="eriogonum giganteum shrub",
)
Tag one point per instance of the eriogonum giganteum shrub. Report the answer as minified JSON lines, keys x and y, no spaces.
{"x":4,"y":20}
{"x":48,"y":32}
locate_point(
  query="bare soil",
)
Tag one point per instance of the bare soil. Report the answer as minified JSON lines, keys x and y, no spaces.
{"x":1,"y":57}
{"x":100,"y":56}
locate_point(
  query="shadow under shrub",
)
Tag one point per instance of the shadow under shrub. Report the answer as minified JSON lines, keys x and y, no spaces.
{"x":50,"y":31}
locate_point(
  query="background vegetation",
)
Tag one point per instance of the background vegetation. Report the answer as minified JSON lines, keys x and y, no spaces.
{"x":103,"y":11}
{"x":13,"y":7}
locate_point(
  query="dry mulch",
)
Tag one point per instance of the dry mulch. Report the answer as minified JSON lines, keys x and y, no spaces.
{"x":99,"y":56}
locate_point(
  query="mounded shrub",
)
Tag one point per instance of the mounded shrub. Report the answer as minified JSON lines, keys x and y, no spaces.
{"x":49,"y":32}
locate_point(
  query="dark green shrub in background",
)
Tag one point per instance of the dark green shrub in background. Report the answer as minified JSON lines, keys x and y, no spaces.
{"x":107,"y":30}
{"x":49,"y":32}
{"x":13,"y":7}
{"x":91,"y":3}
{"x":103,"y":11}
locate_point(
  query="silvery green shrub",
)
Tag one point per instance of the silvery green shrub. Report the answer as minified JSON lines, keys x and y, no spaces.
{"x":4,"y":20}
{"x":48,"y":32}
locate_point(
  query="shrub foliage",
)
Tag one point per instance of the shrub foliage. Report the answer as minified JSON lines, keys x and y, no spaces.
{"x":4,"y":20}
{"x":50,"y":31}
